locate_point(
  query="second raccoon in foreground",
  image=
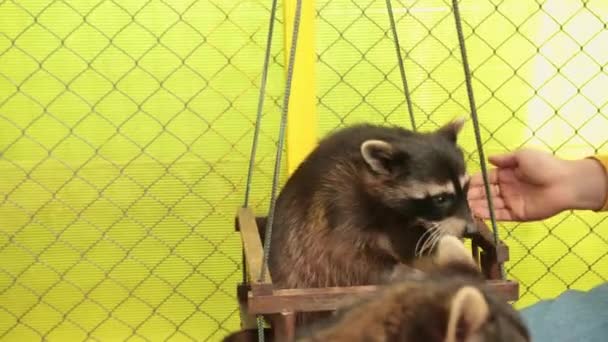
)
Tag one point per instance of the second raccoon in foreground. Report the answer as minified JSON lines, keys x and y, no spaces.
{"x":449,"y":303}
{"x":366,"y":200}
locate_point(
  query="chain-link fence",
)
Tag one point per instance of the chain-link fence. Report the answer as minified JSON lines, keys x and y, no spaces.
{"x":125,"y":132}
{"x":125,"y":127}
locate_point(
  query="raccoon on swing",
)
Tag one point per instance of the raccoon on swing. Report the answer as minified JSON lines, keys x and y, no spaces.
{"x":366,"y":202}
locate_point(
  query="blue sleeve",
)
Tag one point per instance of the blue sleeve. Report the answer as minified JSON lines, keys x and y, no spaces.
{"x":572,"y":316}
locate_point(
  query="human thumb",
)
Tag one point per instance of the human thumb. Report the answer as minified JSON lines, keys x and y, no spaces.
{"x":508,"y":160}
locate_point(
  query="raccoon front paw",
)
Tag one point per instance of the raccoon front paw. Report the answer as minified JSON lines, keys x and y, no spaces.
{"x":403,"y":272}
{"x":451,"y":249}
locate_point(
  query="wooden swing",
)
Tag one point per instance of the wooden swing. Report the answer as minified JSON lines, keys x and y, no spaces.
{"x":256,"y":295}
{"x":279,"y":306}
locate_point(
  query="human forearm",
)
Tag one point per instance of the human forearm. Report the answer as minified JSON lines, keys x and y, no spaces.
{"x":588,"y":183}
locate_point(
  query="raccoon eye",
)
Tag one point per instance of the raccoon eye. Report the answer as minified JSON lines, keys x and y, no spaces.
{"x":440,"y":199}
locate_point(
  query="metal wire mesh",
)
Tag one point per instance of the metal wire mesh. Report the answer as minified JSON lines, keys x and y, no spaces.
{"x":125,"y":129}
{"x":125,"y":126}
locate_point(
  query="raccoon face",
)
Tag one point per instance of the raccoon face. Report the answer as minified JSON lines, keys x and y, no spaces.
{"x":423,"y":178}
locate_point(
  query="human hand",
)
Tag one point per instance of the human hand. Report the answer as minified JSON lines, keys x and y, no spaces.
{"x":534,"y":185}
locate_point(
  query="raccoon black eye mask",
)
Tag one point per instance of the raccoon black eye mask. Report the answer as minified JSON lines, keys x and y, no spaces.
{"x":440,"y":204}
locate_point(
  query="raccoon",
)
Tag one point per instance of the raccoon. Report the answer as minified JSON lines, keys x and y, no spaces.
{"x":449,"y":303}
{"x":367,"y":200}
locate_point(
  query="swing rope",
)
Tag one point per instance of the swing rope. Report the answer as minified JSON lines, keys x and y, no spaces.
{"x":281,"y":142}
{"x":406,"y":89}
{"x":262,"y":95}
{"x":281,"y":138}
{"x":475,"y":118}
{"x":256,"y":133}
{"x":258,"y":120}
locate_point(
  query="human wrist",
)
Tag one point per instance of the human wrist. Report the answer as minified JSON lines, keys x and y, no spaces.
{"x":587,"y":184}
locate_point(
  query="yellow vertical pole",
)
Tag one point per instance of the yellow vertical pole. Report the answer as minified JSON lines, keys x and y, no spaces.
{"x":301,"y":115}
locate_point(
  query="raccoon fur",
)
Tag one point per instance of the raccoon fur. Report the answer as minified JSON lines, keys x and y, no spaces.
{"x":367,"y":199}
{"x":449,"y":303}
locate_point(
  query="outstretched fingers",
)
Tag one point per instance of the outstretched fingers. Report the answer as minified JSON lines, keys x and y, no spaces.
{"x":481,"y":207}
{"x":499,"y":214}
{"x":508,"y":160}
{"x":497,"y":203}
{"x":496,"y":179}
{"x":479,"y":192}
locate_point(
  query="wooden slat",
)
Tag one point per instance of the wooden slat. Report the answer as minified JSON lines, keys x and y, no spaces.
{"x":283,"y":326}
{"x":508,"y":289}
{"x":254,"y":254}
{"x":248,"y":321}
{"x":305,"y":300}
{"x":327,"y":299}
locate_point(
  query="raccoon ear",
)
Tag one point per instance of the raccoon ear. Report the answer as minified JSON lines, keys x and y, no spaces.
{"x":379,"y":155}
{"x":468,"y":311}
{"x":452,"y":128}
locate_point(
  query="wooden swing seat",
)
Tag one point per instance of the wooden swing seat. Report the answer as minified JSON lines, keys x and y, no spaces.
{"x":279,"y":306}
